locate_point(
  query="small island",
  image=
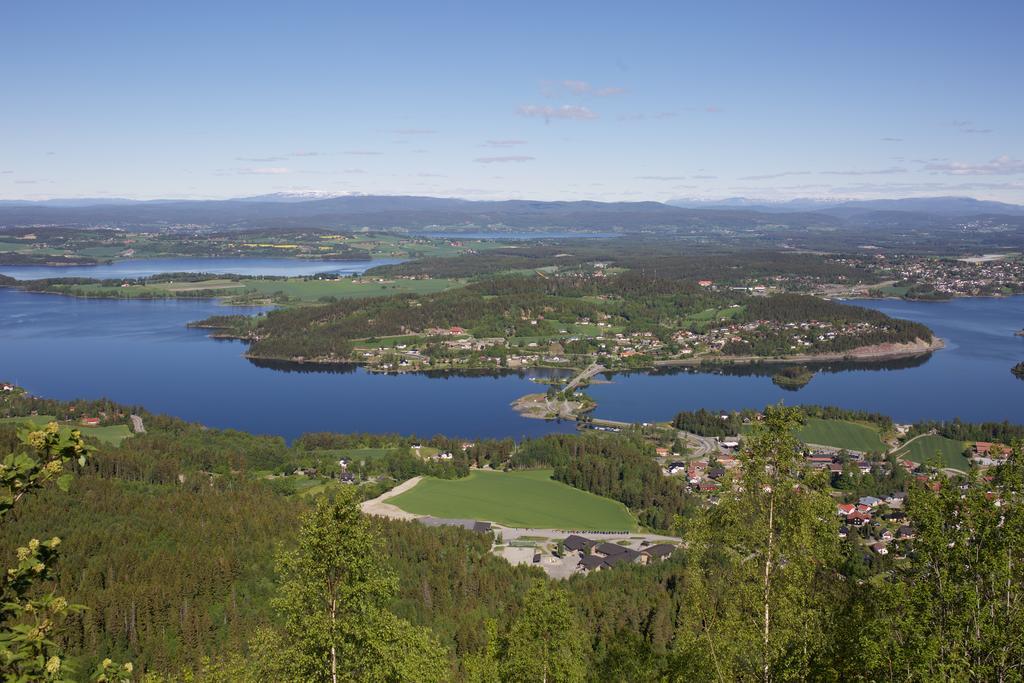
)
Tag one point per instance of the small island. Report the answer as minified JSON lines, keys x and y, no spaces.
{"x":1020,"y":332}
{"x":793,"y":377}
{"x":554,"y":405}
{"x":1018,"y":370}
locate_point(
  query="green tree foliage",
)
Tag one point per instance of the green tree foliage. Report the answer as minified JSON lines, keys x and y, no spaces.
{"x":546,"y":641}
{"x":31,"y":615}
{"x":955,"y":610}
{"x":333,"y":597}
{"x":1002,"y":432}
{"x":762,"y":567}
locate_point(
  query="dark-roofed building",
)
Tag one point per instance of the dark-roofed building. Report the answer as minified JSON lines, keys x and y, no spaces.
{"x":576,"y":543}
{"x":590,"y":563}
{"x":627,"y":555}
{"x":482,"y":527}
{"x":659,"y":552}
{"x":609,"y":549}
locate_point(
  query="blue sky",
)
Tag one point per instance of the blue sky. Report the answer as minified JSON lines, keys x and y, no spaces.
{"x":567,"y":100}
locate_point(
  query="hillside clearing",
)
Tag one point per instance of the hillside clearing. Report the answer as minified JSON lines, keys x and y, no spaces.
{"x":518,"y":499}
{"x":841,"y":434}
{"x":110,"y":434}
{"x":924,"y":449}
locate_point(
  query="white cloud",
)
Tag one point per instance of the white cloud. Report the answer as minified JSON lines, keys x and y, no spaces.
{"x":362,"y":152}
{"x":580,"y":88}
{"x":265,"y":170}
{"x":969,"y":127}
{"x":504,"y":143}
{"x":879,"y":171}
{"x":502,"y":160}
{"x":566,"y":111}
{"x":1001,"y":165}
{"x":772,"y":176}
{"x":261,"y":160}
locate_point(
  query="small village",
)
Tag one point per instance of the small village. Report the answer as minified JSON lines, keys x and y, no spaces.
{"x":456,"y":347}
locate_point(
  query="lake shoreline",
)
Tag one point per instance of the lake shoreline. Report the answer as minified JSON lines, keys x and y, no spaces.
{"x":865,"y":354}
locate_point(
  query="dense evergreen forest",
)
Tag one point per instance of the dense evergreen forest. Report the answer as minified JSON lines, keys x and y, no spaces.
{"x":191,"y":563}
{"x":1002,"y":432}
{"x":730,"y":423}
{"x":655,"y":258}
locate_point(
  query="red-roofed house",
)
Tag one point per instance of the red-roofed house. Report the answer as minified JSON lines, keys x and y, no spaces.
{"x":989,"y":449}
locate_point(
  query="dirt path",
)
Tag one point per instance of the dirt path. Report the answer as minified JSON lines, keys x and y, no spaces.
{"x":379,"y":508}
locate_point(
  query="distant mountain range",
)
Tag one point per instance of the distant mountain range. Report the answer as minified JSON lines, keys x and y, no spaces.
{"x":950,"y":206}
{"x":793,"y":223}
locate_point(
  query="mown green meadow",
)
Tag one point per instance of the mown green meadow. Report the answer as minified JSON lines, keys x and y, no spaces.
{"x":842,"y":434}
{"x":854,"y":436}
{"x":925,"y":449}
{"x":519,"y":499}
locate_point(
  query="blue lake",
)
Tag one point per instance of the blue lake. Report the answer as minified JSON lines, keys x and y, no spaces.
{"x":970,"y":378}
{"x":140,"y":353}
{"x":136,"y":268}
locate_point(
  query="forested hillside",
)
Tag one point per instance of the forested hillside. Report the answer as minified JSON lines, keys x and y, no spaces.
{"x":505,"y":309}
{"x":189,"y":559}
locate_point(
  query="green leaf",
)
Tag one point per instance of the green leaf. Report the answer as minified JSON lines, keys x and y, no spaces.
{"x":64,"y":481}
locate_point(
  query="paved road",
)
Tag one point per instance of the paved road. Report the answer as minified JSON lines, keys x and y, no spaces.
{"x":590,"y":371}
{"x":700,"y":446}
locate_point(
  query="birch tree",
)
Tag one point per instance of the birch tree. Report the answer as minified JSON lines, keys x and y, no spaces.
{"x":334,"y":592}
{"x":762,"y":566}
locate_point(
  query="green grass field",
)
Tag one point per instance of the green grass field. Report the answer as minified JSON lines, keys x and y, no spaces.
{"x":926,"y":448}
{"x":313,"y":290}
{"x":519,"y":499}
{"x":357,"y":454}
{"x":111,"y":434}
{"x":298,"y":289}
{"x":841,"y":434}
